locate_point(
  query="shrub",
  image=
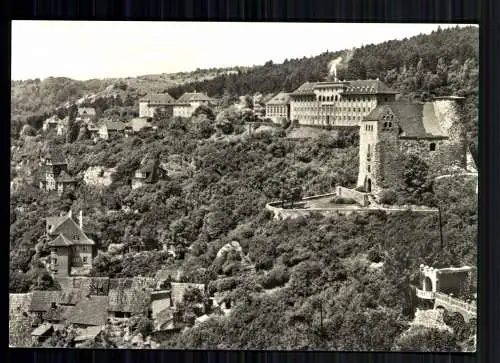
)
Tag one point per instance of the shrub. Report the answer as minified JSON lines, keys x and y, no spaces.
{"x":388,"y":197}
{"x":374,"y":255}
{"x":278,"y":276}
{"x":342,"y":200}
{"x":145,"y":326}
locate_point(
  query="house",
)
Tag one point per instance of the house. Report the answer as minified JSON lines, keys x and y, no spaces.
{"x":139,"y":124}
{"x":86,"y":114}
{"x":189,"y":102}
{"x":149,"y":173}
{"x":337,"y":103}
{"x":71,"y":250}
{"x":392,"y":130}
{"x":278,"y":107}
{"x":109,"y":128}
{"x":93,"y":131}
{"x":89,"y":311}
{"x":123,"y":303}
{"x":41,"y":333}
{"x":41,"y":303}
{"x":56,"y":124}
{"x":53,"y":173}
{"x":161,"y":103}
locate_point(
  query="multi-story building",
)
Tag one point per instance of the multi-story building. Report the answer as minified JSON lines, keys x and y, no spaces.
{"x":86,"y":114}
{"x":71,"y":250}
{"x":337,"y":103}
{"x":53,"y":174}
{"x":430,"y":130}
{"x":189,"y":102}
{"x":278,"y":107}
{"x":159,"y":102}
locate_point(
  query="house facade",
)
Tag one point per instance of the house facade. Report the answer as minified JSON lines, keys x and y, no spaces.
{"x":86,"y":114}
{"x":109,"y":128}
{"x":430,"y":130}
{"x":278,"y":107}
{"x":53,"y":174}
{"x":71,"y":251}
{"x":56,"y":124}
{"x":150,"y":172}
{"x":189,"y":102}
{"x":337,"y":103}
{"x":159,"y":102}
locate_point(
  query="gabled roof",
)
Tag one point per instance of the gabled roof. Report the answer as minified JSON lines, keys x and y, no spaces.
{"x":60,"y":241}
{"x":129,"y":300}
{"x":281,"y":98}
{"x":54,"y":222}
{"x":89,"y":333}
{"x":368,"y":86}
{"x":193,"y":97}
{"x":91,"y":310}
{"x":86,"y":111}
{"x":158,"y":99}
{"x":306,"y":88}
{"x":71,"y":296}
{"x":42,"y":300}
{"x":416,"y":120}
{"x":42,"y":329}
{"x":67,"y":230}
{"x":113,"y":125}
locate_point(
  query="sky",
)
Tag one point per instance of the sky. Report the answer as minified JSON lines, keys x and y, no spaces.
{"x":86,"y":50}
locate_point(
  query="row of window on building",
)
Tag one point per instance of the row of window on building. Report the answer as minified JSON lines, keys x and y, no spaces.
{"x":74,"y":260}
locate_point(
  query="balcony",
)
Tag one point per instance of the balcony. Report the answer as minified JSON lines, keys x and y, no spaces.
{"x":428,"y":295}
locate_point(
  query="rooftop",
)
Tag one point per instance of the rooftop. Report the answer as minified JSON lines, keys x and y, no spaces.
{"x":158,"y":99}
{"x":129,"y":300}
{"x":91,"y":310}
{"x":416,"y":120}
{"x":42,"y":329}
{"x":281,"y":98}
{"x":193,"y":97}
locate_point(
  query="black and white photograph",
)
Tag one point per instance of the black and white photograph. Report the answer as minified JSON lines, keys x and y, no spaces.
{"x":244,"y":186}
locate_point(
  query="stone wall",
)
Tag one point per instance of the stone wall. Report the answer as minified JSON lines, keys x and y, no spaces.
{"x":359,"y":197}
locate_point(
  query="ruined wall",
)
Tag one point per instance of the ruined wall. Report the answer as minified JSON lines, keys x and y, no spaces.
{"x":387,"y":162}
{"x":446,"y":157}
{"x":359,"y":197}
{"x":452,"y":282}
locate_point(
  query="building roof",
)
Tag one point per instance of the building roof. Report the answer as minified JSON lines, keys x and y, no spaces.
{"x":56,"y":156}
{"x":66,"y":231}
{"x":193,"y":97}
{"x":179,"y":288}
{"x":306,"y":88}
{"x":56,"y":314}
{"x":86,"y":111}
{"x":139,"y":123}
{"x":158,"y":99}
{"x":416,"y":120}
{"x":113,"y":125}
{"x":368,"y":86}
{"x":42,"y":329}
{"x":42,"y":300}
{"x":164,"y":317}
{"x":71,"y":296}
{"x":281,"y":98}
{"x":91,"y":310}
{"x":129,"y":300}
{"x":89,"y":333}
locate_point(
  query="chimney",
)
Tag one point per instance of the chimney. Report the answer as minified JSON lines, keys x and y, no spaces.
{"x":81,"y":219}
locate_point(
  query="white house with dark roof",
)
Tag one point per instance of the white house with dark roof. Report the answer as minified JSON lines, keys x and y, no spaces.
{"x":71,"y":250}
{"x":108,"y":128}
{"x":189,"y":102}
{"x":278,"y":107}
{"x":338,"y":103}
{"x":151,"y":103}
{"x":86,"y":114}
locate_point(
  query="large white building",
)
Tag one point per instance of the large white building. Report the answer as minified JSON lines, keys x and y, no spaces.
{"x":338,"y":103}
{"x":189,"y":102}
{"x":161,"y":102}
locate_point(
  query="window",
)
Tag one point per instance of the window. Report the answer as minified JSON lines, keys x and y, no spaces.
{"x":54,"y":261}
{"x":432,"y":146}
{"x":85,"y":260}
{"x":368,"y":168}
{"x":76,"y":237}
